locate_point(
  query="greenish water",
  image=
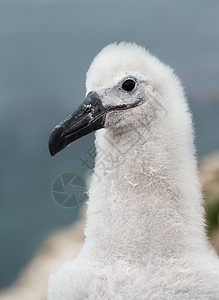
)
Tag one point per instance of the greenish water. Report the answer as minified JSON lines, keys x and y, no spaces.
{"x":45,"y":50}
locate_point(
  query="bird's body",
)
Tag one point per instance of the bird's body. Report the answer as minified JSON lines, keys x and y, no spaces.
{"x":145,"y":236}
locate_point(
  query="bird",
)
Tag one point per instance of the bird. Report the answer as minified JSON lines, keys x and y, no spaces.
{"x":145,"y":229}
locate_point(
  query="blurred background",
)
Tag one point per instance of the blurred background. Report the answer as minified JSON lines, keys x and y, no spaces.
{"x":46,"y":47}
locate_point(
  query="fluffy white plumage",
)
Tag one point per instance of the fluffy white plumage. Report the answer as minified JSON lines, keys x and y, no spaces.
{"x":145,"y":236}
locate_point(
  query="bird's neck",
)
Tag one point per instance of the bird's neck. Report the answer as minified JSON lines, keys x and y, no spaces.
{"x":145,"y":198}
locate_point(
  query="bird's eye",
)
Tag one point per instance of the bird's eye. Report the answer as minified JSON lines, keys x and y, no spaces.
{"x":128,"y":85}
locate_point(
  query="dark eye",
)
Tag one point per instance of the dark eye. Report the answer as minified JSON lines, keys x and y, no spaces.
{"x":128,"y":85}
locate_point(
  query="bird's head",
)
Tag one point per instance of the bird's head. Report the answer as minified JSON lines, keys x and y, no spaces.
{"x":121,"y":81}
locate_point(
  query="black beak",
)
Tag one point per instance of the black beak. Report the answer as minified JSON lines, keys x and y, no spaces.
{"x":89,"y":117}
